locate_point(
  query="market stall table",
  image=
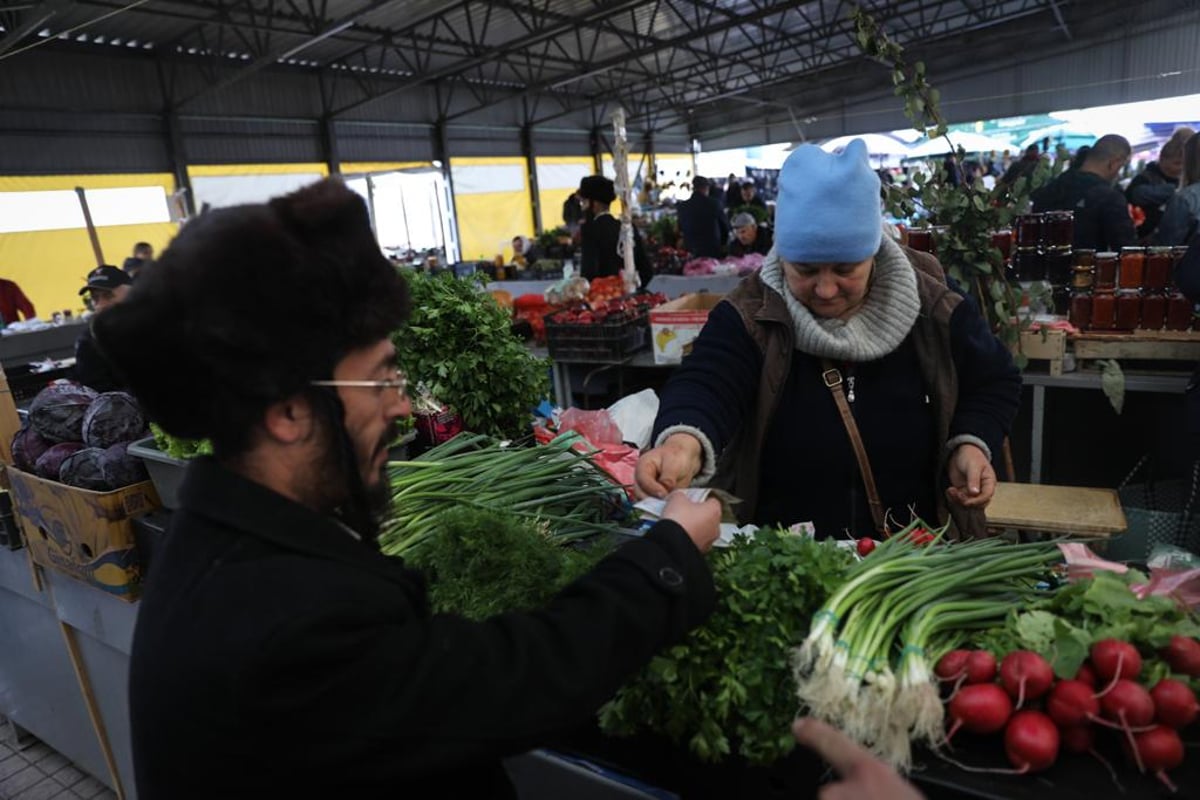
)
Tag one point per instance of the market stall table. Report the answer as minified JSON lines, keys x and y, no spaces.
{"x":672,"y":286}
{"x":1135,"y":381}
{"x":55,"y":342}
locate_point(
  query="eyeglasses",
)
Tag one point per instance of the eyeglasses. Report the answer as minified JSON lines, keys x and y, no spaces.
{"x":399,"y":383}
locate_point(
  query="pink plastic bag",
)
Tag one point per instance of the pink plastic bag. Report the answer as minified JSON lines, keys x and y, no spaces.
{"x":597,"y":427}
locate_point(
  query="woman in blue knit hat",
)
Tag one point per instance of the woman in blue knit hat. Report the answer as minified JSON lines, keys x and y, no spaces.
{"x":843,"y":335}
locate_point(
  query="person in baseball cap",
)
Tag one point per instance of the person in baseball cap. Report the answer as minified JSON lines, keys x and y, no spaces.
{"x":106,"y":286}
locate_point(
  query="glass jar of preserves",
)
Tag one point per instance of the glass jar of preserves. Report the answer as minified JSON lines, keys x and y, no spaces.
{"x":1081,"y":309}
{"x":1028,"y":265}
{"x":1029,"y":231}
{"x":1177,"y":254}
{"x":1058,"y":266}
{"x":1133,"y":268}
{"x":1179,"y":312}
{"x":1104,"y":311}
{"x":1106,"y":270}
{"x":1129,"y":309}
{"x":1154,"y":311}
{"x":1082,"y":276}
{"x":1058,"y":229}
{"x":1085,"y":258}
{"x":1003,"y":241}
{"x":921,"y":239}
{"x":1158,"y":268}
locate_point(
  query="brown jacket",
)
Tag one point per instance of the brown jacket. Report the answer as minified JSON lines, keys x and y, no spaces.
{"x":770,"y":325}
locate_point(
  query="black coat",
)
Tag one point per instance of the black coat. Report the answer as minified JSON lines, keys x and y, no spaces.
{"x":91,"y":367}
{"x":1102,"y":220}
{"x":275,"y":655}
{"x":598,"y":243}
{"x":703,"y":225}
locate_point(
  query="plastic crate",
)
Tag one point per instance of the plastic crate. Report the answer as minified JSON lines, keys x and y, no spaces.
{"x":597,"y":341}
{"x":25,"y":384}
{"x":166,"y":472}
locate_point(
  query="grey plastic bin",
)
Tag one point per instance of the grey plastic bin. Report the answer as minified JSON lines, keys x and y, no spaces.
{"x":166,"y":472}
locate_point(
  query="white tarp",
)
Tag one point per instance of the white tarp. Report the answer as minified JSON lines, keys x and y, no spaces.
{"x":218,"y":191}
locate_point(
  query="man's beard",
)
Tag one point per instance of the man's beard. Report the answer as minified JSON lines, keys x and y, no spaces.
{"x":337,"y":486}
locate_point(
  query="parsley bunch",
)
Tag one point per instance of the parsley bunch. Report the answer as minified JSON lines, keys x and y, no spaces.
{"x":728,"y":688}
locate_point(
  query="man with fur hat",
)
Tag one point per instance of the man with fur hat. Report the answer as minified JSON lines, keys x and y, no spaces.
{"x":704,"y":226}
{"x":601,"y":234}
{"x":839,"y":317}
{"x":277,"y":652}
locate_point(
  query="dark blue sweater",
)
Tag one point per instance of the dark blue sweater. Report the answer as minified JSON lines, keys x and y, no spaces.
{"x":808,"y":468}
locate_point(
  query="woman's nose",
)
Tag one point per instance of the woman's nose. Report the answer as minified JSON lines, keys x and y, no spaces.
{"x":826,"y":288}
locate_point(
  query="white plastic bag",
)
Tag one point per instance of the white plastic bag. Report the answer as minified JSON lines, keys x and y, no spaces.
{"x":635,"y":415}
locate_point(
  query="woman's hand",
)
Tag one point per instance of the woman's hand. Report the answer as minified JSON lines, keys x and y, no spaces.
{"x":972,"y":479}
{"x":670,"y":466}
{"x":863,"y":776}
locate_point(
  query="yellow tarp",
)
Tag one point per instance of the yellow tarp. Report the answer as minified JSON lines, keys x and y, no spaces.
{"x":487,"y":221}
{"x":50,"y":266}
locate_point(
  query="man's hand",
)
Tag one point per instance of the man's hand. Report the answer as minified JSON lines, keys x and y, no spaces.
{"x":670,"y":466}
{"x":863,"y":776}
{"x":702,"y":521}
{"x":972,"y":478}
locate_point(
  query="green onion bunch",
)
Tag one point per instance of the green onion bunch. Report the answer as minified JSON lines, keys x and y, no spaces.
{"x":554,"y":485}
{"x":867,"y":664}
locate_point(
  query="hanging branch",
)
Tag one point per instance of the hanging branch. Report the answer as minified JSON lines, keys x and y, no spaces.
{"x":968,"y":210}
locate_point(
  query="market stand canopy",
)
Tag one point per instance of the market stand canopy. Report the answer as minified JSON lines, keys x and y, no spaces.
{"x":246,"y":81}
{"x":968,"y":142}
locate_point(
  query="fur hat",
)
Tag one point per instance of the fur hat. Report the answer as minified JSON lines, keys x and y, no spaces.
{"x":598,"y":188}
{"x":249,"y":304}
{"x":828,"y":208}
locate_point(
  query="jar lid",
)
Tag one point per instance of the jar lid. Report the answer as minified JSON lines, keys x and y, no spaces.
{"x":1125,"y":250}
{"x":1106,"y":254}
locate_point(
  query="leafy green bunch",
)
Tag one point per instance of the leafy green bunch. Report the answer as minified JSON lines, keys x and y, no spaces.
{"x":179,"y":448}
{"x":729,"y":687}
{"x":484,"y":563}
{"x":459,"y":342}
{"x":1063,"y":626}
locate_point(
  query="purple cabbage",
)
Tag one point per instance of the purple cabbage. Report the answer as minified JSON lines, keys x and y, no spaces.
{"x":121,"y":469}
{"x":58,"y":410}
{"x":50,"y":462}
{"x":27,"y":448}
{"x":82,"y":469}
{"x":113,"y":417}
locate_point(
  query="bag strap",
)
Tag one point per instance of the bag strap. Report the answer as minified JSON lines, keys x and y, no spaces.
{"x":833,"y":381}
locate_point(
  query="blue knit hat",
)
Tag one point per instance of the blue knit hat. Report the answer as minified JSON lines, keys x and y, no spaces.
{"x":828,"y":207}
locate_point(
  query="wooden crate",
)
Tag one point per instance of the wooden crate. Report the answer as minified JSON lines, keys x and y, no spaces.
{"x":1147,"y":345}
{"x":1045,"y":345}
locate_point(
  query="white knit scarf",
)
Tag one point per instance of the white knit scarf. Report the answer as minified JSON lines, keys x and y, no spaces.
{"x":875,"y":329}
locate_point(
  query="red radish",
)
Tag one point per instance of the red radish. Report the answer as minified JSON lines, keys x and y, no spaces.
{"x":1158,"y":750}
{"x":981,"y":667}
{"x":1077,"y":738}
{"x":1114,"y":660}
{"x":1072,"y":704}
{"x":865,"y":546}
{"x":1025,"y":675}
{"x":982,"y":708}
{"x":1031,"y":741}
{"x":1128,"y":703}
{"x":1086,"y":674}
{"x":952,"y":666}
{"x":1183,"y":654}
{"x":1174,"y":703}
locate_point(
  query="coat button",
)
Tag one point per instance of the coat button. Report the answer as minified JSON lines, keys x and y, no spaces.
{"x":670,"y":576}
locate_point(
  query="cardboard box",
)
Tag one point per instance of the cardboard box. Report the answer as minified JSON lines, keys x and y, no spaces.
{"x":675,"y":325}
{"x":87,"y":535}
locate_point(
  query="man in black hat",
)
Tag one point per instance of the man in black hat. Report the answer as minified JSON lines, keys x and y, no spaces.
{"x":601,"y":234}
{"x":106,"y":287}
{"x":703,"y":224}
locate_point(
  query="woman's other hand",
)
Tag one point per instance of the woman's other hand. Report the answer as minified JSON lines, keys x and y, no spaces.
{"x":972,"y":478}
{"x":670,"y":466}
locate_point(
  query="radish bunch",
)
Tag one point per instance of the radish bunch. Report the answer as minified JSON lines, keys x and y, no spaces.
{"x":1104,"y":694}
